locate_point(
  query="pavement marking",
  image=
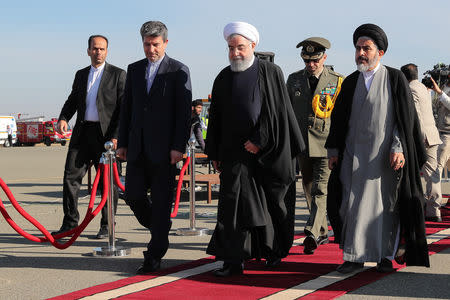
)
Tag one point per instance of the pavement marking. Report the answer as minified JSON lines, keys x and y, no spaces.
{"x":325,"y":280}
{"x":294,"y":292}
{"x":154,"y":282}
{"x":315,"y":284}
{"x":298,"y":242}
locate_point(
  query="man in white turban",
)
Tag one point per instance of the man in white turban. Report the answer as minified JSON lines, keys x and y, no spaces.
{"x":252,"y":140}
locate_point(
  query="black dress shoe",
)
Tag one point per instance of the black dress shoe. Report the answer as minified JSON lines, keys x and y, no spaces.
{"x":433,"y":219}
{"x":349,"y":267}
{"x":102,"y":233}
{"x":273,"y":262}
{"x":64,"y":228}
{"x":149,"y":265}
{"x":385,"y":266}
{"x":309,"y":244}
{"x":322,"y":240}
{"x":229,"y":269}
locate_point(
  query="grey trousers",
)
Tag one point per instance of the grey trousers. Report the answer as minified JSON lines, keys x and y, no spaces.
{"x":315,"y":174}
{"x":432,"y":176}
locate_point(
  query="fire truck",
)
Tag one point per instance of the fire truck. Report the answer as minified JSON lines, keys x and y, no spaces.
{"x":35,"y":130}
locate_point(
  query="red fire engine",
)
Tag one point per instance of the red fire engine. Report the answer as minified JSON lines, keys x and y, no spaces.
{"x":30,"y":132}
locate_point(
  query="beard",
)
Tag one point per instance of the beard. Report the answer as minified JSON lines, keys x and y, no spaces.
{"x":371,"y":63}
{"x":241,"y":63}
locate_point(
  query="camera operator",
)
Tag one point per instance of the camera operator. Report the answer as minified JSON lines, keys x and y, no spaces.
{"x":443,"y":122}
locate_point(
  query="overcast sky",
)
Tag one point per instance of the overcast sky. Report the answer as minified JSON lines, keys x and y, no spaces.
{"x":43,"y":43}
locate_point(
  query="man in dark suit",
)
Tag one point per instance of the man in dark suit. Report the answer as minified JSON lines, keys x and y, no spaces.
{"x":96,"y":96}
{"x":154,"y":129}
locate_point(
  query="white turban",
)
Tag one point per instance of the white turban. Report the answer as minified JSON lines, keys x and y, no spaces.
{"x":246,"y":30}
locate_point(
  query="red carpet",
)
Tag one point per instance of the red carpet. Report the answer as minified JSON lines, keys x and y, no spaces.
{"x":257,"y":282}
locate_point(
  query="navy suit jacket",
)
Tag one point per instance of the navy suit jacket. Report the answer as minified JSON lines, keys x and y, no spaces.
{"x":109,"y":98}
{"x":154,"y":123}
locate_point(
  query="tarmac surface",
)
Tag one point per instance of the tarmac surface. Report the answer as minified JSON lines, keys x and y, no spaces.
{"x":30,"y":270}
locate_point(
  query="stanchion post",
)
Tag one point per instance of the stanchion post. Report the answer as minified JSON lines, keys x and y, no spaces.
{"x":109,"y":158}
{"x":192,"y":230}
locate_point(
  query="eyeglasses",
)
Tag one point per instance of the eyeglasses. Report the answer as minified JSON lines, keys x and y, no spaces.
{"x":307,"y":61}
{"x":238,"y":48}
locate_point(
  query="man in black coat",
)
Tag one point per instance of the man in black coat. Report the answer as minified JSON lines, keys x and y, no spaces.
{"x":96,"y":97}
{"x":154,"y":129}
{"x":252,"y":140}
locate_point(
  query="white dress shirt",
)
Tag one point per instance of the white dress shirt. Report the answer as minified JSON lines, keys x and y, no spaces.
{"x":368,"y":76}
{"x":152,"y":70}
{"x":95,"y":76}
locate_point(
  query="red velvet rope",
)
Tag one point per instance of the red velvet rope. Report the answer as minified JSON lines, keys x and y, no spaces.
{"x":117,"y":178}
{"x":48,"y":237}
{"x":180,"y":182}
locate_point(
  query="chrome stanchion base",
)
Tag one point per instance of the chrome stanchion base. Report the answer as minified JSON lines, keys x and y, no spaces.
{"x":111,"y":251}
{"x":192,"y":231}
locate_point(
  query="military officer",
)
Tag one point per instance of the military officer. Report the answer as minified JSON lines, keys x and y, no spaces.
{"x":313,"y":91}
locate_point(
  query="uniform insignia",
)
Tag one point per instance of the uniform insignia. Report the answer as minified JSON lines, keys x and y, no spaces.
{"x":309,"y":48}
{"x":297,"y":93}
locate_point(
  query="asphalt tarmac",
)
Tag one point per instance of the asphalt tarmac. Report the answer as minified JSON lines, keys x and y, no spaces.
{"x":30,"y":270}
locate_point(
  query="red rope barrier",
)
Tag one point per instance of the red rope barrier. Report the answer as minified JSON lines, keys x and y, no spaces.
{"x":117,"y":178}
{"x":48,"y":237}
{"x":180,"y":182}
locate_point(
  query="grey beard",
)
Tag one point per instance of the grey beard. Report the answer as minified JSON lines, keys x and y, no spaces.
{"x":239,"y":65}
{"x":371,"y":64}
{"x":363,"y":68}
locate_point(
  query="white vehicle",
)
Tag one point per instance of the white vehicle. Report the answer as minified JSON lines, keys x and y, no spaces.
{"x":4,"y":122}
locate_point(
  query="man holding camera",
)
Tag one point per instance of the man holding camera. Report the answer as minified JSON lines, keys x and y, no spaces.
{"x":443,"y":125}
{"x":430,"y":134}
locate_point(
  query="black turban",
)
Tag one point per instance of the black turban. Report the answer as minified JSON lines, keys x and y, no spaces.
{"x":374,"y":32}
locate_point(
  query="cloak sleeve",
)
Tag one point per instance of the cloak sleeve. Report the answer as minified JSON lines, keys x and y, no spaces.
{"x":278,"y":126}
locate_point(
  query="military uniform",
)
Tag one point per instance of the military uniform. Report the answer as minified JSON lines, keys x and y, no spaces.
{"x":315,"y":128}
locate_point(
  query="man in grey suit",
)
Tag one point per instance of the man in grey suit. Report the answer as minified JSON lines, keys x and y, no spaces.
{"x":154,"y":129}
{"x":96,"y":96}
{"x":430,"y":134}
{"x":309,"y":90}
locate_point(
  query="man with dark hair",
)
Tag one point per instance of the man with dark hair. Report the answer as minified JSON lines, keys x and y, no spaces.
{"x":312,"y":91}
{"x":97,"y":36}
{"x":154,"y":129}
{"x":96,"y":96}
{"x":375,"y":152}
{"x":253,"y":140}
{"x":196,"y":122}
{"x":443,"y":125}
{"x":430,"y":136}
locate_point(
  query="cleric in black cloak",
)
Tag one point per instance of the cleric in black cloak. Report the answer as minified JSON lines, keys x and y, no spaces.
{"x":376,"y":152}
{"x":252,"y":140}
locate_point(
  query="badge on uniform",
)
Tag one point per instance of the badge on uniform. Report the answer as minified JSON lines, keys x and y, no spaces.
{"x":297,"y":93}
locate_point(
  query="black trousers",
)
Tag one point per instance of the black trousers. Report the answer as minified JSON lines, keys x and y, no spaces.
{"x":89,"y":148}
{"x":154,"y":212}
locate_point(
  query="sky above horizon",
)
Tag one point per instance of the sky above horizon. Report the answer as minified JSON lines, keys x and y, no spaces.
{"x":44,"y":42}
